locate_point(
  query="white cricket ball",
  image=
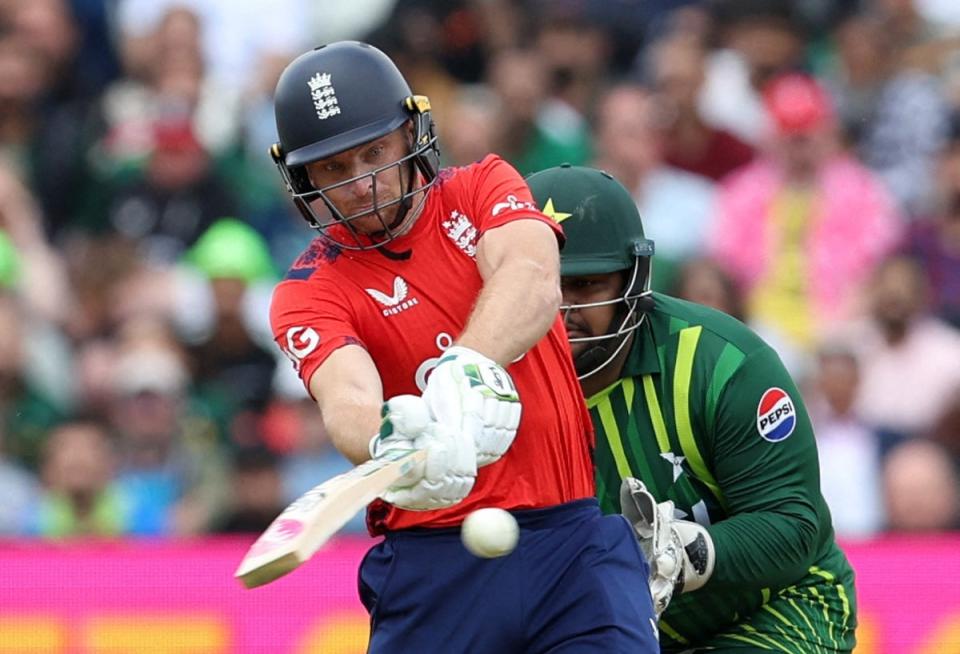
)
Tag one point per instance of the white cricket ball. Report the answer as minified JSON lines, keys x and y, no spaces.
{"x":489,"y":533}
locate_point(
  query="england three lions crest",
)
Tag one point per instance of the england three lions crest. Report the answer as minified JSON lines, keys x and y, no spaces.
{"x":461,"y":231}
{"x":324,"y":96}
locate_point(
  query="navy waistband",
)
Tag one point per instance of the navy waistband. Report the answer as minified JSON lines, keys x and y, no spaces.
{"x":541,"y":518}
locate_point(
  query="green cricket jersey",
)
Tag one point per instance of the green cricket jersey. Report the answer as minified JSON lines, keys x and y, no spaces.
{"x":706,"y":416}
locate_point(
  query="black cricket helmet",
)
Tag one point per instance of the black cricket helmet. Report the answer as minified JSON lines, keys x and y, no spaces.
{"x":336,"y":97}
{"x":604,"y":234}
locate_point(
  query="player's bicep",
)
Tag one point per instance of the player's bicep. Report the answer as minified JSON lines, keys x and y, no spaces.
{"x":511,"y":227}
{"x":525,"y":242}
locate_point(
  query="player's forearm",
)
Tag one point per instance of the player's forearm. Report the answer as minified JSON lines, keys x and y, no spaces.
{"x":350,"y":426}
{"x":764,"y":549}
{"x":349,"y":393}
{"x":515,"y":309}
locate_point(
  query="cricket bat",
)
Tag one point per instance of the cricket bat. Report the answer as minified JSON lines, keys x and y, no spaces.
{"x":309,"y":521}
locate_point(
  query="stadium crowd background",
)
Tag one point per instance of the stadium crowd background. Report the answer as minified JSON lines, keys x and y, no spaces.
{"x":142,"y":226}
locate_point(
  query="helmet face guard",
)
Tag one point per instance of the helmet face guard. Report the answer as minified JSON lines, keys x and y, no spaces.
{"x":417,"y":172}
{"x":604,"y":348}
{"x":338,"y":97}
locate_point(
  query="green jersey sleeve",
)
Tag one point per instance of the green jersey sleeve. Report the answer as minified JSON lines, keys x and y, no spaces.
{"x":765,"y":463}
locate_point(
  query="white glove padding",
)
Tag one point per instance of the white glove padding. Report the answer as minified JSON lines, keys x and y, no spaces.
{"x":470,"y":392}
{"x":447,"y":475}
{"x":403,"y":419}
{"x":680,"y":552}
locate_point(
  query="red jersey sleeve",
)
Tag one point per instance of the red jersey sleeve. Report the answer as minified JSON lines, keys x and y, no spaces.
{"x":309,"y":323}
{"x":501,"y":195}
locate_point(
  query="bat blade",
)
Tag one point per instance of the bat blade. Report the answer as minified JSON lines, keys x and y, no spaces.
{"x":309,"y":521}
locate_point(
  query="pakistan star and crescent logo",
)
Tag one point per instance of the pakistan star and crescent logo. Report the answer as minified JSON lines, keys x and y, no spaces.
{"x":550,"y":212}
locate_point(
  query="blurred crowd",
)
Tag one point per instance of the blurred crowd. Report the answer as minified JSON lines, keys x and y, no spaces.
{"x":797,"y":163}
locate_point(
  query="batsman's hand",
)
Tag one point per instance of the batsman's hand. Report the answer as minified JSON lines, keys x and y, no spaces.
{"x":447,"y":475}
{"x":680,"y":552}
{"x":471,"y":393}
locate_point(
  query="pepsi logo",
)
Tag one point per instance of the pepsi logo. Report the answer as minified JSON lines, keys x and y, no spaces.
{"x":776,"y":416}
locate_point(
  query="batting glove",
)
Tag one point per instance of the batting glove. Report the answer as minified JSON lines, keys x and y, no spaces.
{"x":450,"y":469}
{"x":680,"y":552}
{"x":469,"y":392}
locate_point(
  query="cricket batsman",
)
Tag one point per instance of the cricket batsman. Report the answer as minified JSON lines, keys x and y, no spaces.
{"x":422,"y":316}
{"x":703,"y":442}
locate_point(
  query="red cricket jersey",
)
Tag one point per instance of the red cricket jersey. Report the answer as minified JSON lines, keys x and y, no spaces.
{"x":405,"y":312}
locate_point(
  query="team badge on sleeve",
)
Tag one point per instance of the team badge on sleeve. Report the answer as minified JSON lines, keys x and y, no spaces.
{"x":776,"y":416}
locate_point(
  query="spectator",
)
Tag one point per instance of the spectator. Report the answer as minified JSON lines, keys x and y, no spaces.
{"x":758,"y":41}
{"x":946,"y":430}
{"x":80,"y":496}
{"x":935,"y":242}
{"x":232,"y":371}
{"x":40,"y":277}
{"x":675,"y":205}
{"x":896,"y":117}
{"x":175,"y":80}
{"x":235,"y":43}
{"x":27,"y":412}
{"x":911,"y":360}
{"x":921,"y":488}
{"x":256,"y":492}
{"x":53,"y":114}
{"x":101,"y":270}
{"x":178,"y":196}
{"x":35,"y":275}
{"x":676,"y":69}
{"x":849,"y":451}
{"x":536,"y":131}
{"x":23,"y":81}
{"x":18,"y":488}
{"x":291,"y":426}
{"x":801,"y":228}
{"x":703,"y":281}
{"x":171,"y":464}
{"x":576,"y":49}
{"x":470,"y":130}
{"x":414,"y":35}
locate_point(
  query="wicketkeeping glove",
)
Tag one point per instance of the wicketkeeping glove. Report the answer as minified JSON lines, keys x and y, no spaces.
{"x":680,"y":552}
{"x":469,"y":392}
{"x":448,"y":474}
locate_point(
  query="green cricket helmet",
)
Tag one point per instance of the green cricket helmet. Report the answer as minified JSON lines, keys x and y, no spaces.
{"x":604,"y":235}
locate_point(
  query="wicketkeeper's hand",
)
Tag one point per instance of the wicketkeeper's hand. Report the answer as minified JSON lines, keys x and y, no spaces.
{"x":469,"y":392}
{"x":448,"y":474}
{"x":680,"y":552}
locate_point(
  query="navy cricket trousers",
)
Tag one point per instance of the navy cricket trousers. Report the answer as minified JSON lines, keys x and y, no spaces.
{"x":575,"y":584}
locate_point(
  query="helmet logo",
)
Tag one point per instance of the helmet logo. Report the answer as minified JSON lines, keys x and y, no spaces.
{"x":324,"y":96}
{"x":553,"y":214}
